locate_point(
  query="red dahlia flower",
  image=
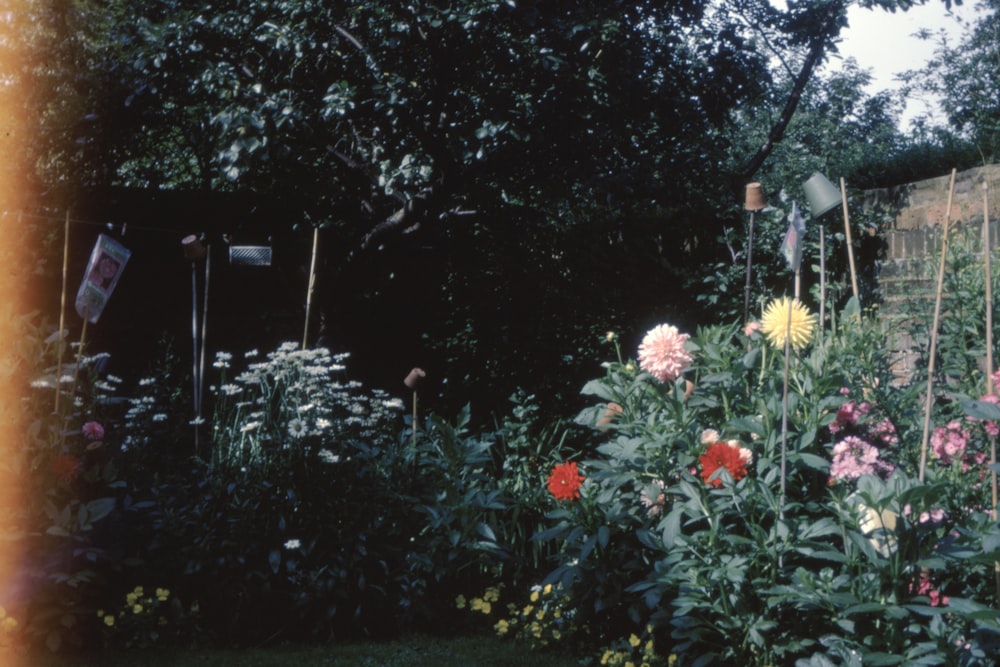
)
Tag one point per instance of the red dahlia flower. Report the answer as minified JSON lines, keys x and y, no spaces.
{"x":565,"y":480}
{"x":721,"y":455}
{"x":66,"y":467}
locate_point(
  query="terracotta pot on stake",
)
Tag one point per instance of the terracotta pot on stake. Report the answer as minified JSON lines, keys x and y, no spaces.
{"x":753,"y":202}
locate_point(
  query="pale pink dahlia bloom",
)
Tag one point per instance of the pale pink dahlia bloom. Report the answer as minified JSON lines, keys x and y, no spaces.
{"x":662,"y":353}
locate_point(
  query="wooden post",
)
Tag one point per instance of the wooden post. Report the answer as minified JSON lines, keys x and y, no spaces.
{"x":62,"y":310}
{"x":746,"y":289}
{"x":847,"y":237}
{"x":312,"y":284}
{"x":929,"y":400}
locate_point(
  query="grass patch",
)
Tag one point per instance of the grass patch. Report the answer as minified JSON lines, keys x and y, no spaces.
{"x":411,"y":651}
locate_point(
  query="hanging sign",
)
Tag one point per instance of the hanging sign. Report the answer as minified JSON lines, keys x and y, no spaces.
{"x":107,"y":261}
{"x":791,"y":247}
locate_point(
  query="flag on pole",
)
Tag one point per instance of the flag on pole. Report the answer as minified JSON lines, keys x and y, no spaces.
{"x":107,"y":260}
{"x":791,"y":247}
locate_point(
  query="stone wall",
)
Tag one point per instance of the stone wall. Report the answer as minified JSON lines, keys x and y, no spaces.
{"x":918,"y":212}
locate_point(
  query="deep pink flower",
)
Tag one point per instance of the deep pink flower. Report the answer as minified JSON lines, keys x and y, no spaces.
{"x":93,"y":431}
{"x":662,"y":353}
{"x":722,"y":455}
{"x":949,"y":442}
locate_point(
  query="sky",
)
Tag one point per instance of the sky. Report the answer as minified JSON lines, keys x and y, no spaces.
{"x":883,"y":42}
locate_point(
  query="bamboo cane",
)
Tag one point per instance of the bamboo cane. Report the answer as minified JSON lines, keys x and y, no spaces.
{"x":312,"y":284}
{"x":822,"y":278}
{"x":990,"y":388}
{"x":934,"y":330}
{"x":201,"y":351}
{"x":62,"y":309}
{"x":847,"y":237}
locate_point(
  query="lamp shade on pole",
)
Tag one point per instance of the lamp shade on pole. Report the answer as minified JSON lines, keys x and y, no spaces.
{"x":821,"y":193}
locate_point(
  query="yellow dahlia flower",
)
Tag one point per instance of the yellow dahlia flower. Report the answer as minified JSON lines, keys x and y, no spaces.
{"x":775,"y":323}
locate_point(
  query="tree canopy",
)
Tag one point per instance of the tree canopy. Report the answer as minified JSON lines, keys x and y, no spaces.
{"x":475,"y":164}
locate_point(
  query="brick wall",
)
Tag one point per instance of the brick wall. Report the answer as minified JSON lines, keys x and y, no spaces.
{"x":918,"y":212}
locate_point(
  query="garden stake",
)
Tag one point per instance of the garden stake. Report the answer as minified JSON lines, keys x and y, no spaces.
{"x":312,"y":283}
{"x":194,"y":250}
{"x":411,"y":381}
{"x":62,"y":307}
{"x":753,"y":202}
{"x":76,"y":368}
{"x":934,"y":331}
{"x":784,"y":419}
{"x":746,"y":288}
{"x":987,"y":261}
{"x":847,"y":238}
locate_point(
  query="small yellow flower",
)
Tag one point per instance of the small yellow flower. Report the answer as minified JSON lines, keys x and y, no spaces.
{"x":634,"y":640}
{"x":109,"y":621}
{"x":606,"y":657}
{"x":629,"y":663}
{"x":162,"y":594}
{"x":486,"y":608}
{"x":534,"y":596}
{"x":137,"y":609}
{"x":776,"y":325}
{"x":556,"y":634}
{"x":610,"y":336}
{"x":649,"y":646}
{"x":502,"y":626}
{"x":672,"y":660}
{"x":460,"y":602}
{"x":477,"y":604}
{"x":492,"y":595}
{"x":547,"y":590}
{"x":527,"y":610}
{"x":540,"y":615}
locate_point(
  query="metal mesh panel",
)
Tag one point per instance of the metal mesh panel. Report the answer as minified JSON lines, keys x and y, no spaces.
{"x":250,"y":255}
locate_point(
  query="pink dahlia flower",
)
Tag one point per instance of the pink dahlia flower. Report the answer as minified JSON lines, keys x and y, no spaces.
{"x":662,"y":353}
{"x":93,"y":431}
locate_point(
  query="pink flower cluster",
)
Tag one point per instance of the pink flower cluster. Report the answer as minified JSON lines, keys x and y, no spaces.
{"x":854,"y":457}
{"x":857,"y":452}
{"x":924,"y":587}
{"x":949,"y":442}
{"x":848,"y":416}
{"x":662,"y":353}
{"x":991,"y":427}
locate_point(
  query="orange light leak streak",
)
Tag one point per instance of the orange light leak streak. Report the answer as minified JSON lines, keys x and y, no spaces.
{"x":15,"y":134}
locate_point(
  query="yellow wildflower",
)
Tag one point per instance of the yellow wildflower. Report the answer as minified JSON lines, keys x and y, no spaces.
{"x":109,"y":621}
{"x":502,"y":626}
{"x":137,"y":609}
{"x":540,"y":615}
{"x":787,"y":318}
{"x":527,"y":610}
{"x":162,"y":594}
{"x":460,"y":602}
{"x":547,"y":590}
{"x":492,"y":594}
{"x":634,"y":640}
{"x":534,"y":596}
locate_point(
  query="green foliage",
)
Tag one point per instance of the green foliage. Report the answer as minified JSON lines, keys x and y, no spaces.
{"x":797,"y":560}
